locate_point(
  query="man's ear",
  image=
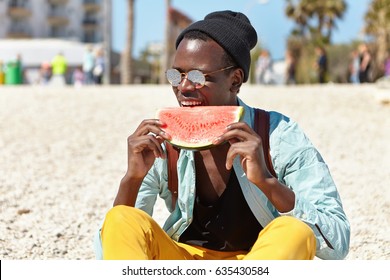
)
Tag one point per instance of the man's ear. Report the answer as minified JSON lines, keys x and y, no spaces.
{"x":237,"y":80}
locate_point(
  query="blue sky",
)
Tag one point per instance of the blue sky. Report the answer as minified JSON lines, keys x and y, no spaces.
{"x":266,"y":16}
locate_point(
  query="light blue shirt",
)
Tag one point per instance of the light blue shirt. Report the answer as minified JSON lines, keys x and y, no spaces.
{"x":297,"y":164}
{"x":88,"y":61}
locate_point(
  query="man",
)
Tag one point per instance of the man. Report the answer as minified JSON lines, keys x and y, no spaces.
{"x":365,"y":63}
{"x":88,"y":64}
{"x":264,"y":68}
{"x":229,"y":204}
{"x":59,"y":67}
{"x":322,"y":64}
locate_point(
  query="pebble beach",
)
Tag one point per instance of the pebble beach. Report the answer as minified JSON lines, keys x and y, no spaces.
{"x":63,"y":153}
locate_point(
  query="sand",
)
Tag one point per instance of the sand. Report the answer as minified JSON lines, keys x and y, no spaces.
{"x":63,"y":153}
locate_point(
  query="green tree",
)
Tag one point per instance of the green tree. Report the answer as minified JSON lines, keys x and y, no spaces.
{"x":165,"y":56}
{"x":297,"y":12}
{"x":126,"y":57}
{"x":325,"y":12}
{"x":317,"y":17}
{"x":315,"y":21}
{"x":377,"y":24}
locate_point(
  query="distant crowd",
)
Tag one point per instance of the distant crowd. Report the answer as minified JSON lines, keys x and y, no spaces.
{"x":91,"y":71}
{"x":359,"y":68}
{"x":56,"y":72}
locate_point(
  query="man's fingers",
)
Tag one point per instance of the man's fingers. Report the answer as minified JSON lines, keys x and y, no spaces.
{"x":152,"y":126}
{"x":147,"y":142}
{"x":246,"y":150}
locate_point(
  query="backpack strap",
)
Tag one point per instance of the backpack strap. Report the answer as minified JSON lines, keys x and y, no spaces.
{"x":173,"y":181}
{"x":261,"y":127}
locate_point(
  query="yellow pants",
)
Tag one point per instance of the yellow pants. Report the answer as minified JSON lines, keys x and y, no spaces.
{"x":131,"y":234}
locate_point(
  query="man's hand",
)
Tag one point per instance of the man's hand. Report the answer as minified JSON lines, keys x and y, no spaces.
{"x":143,"y":147}
{"x":247,"y":144}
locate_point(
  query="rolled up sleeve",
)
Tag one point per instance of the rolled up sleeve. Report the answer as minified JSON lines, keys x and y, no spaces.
{"x":300,"y":166}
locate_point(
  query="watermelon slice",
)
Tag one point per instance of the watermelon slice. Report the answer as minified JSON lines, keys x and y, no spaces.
{"x":194,"y":128}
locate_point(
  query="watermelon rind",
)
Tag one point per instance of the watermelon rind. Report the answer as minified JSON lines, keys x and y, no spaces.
{"x":228,"y":114}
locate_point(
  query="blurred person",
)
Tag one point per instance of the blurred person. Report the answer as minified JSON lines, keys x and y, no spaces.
{"x":2,"y":73}
{"x":88,"y":65}
{"x":78,"y":77}
{"x":59,"y":66}
{"x":290,"y":68}
{"x":354,"y":67}
{"x":365,"y":63}
{"x":386,"y":65}
{"x":321,"y":64}
{"x":236,"y":200}
{"x":98,"y":70}
{"x":45,"y":73}
{"x":264,"y":68}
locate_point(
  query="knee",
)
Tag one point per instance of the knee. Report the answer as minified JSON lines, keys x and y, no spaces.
{"x":294,"y":223}
{"x":117,"y":213}
{"x":124,"y":214}
{"x":299,"y":235}
{"x":294,"y":226}
{"x":298,"y":231}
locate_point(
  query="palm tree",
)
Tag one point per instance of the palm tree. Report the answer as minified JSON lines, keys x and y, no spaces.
{"x":296,"y":11}
{"x":126,"y":58}
{"x":165,"y":55}
{"x":325,"y":12}
{"x":315,"y":21}
{"x":377,"y":21}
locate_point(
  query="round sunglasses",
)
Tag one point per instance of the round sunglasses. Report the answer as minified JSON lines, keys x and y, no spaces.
{"x":197,"y":77}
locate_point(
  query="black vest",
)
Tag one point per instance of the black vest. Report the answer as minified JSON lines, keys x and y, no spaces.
{"x":226,"y":225}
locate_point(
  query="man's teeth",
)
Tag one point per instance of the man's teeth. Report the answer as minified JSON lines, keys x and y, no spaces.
{"x":191,"y":103}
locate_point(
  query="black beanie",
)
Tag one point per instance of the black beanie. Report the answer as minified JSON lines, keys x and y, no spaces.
{"x":232,"y":31}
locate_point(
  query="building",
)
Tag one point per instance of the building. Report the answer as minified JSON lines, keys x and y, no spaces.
{"x":79,"y":20}
{"x":36,"y":30}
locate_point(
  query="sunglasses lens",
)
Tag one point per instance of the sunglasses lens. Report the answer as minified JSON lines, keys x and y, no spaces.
{"x":196,"y":77}
{"x":173,"y":77}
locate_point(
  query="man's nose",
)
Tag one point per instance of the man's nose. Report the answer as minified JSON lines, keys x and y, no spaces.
{"x":186,"y":85}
